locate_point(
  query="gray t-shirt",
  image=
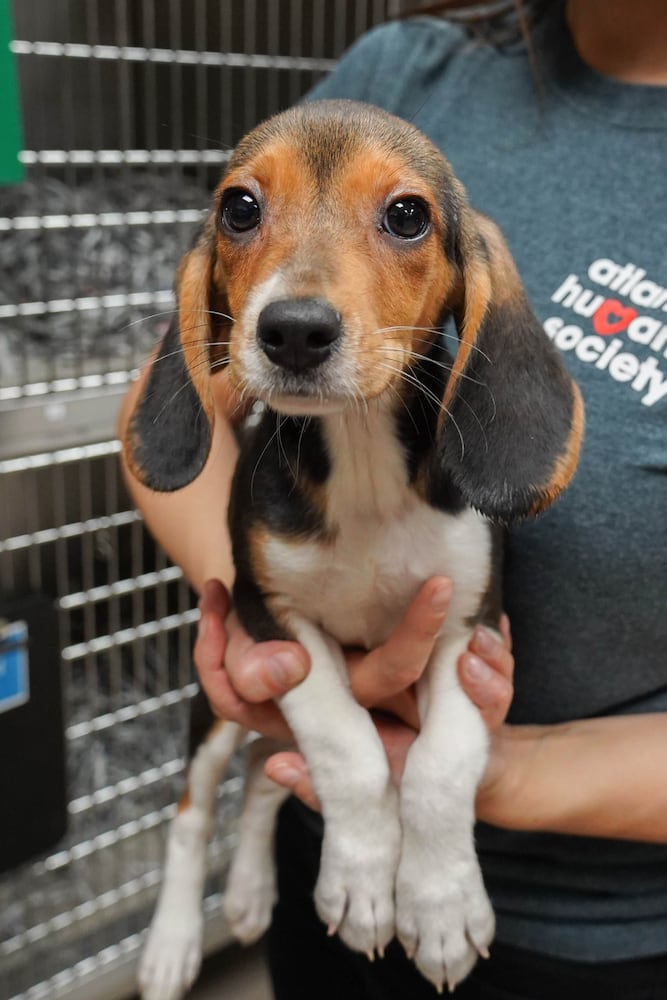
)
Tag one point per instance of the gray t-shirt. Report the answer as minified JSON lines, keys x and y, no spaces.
{"x":577,"y":179}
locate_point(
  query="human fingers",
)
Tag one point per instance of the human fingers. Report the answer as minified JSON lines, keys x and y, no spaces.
{"x":400,"y":661}
{"x":260,"y":671}
{"x":403,"y":706}
{"x":210,"y":651}
{"x":497,"y":653}
{"x":257,"y":671}
{"x":397,"y":738}
{"x":505,"y":631}
{"x":486,"y":672}
{"x":211,"y":643}
{"x":214,"y":598}
{"x":289,"y":769}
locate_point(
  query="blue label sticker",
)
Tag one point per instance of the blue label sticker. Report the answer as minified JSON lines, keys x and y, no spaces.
{"x":14,"y":684}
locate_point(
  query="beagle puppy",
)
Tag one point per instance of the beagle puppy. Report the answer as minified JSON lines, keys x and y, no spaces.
{"x":338,"y":244}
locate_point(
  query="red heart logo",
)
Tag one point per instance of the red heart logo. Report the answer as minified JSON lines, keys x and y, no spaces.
{"x":612,"y":317}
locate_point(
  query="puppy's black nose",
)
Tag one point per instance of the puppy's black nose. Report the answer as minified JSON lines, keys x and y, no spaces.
{"x":298,"y":334}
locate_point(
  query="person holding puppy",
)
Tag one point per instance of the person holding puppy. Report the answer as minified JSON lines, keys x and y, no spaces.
{"x":562,"y":139}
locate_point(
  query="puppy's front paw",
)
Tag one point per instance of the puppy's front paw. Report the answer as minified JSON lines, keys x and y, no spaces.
{"x":443,"y":916}
{"x":355,"y":889}
{"x":172,"y":954}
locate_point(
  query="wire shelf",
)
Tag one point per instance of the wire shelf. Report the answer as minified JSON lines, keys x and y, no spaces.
{"x":130,"y":111}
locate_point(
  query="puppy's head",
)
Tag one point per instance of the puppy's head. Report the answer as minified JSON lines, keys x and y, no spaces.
{"x":339,"y":240}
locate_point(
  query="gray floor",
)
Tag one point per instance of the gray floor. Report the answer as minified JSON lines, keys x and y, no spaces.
{"x":235,"y":974}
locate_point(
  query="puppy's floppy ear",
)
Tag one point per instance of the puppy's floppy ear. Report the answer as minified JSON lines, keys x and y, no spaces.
{"x":512,"y":419}
{"x":169,"y":435}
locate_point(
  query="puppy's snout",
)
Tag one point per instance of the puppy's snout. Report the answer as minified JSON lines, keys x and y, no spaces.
{"x":298,"y":334}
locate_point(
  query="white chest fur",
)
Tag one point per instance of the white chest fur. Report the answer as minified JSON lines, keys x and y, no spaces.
{"x":386,"y":543}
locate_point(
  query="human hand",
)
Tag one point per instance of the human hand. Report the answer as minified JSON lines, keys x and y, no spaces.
{"x":260,"y":671}
{"x":241,"y":678}
{"x":485,"y":671}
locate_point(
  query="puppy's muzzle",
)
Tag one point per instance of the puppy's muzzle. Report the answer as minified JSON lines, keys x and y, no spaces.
{"x":298,"y":334}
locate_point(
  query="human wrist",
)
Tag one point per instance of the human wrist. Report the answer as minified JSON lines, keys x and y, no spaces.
{"x":509,"y":795}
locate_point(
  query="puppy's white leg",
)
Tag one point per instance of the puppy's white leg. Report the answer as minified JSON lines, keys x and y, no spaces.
{"x":251,"y":883}
{"x":355,"y":888}
{"x":173,"y":950}
{"x":444,"y":917}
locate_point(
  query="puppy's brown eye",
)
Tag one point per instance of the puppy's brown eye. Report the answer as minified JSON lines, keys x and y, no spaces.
{"x":240,"y":211}
{"x":406,"y":218}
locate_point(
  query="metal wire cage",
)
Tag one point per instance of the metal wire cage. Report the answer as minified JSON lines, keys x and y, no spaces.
{"x":130,"y":107}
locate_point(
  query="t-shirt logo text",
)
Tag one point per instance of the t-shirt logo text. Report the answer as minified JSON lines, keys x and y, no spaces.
{"x":610,"y":316}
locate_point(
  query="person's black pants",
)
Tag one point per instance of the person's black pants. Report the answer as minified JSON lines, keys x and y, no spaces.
{"x":306,"y":964}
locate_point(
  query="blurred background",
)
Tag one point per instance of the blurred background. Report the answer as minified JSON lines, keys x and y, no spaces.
{"x":116,"y":119}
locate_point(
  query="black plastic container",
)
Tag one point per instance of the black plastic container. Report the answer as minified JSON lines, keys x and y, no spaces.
{"x":32,"y":743}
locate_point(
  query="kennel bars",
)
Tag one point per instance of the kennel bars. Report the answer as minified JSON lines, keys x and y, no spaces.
{"x":130,"y":109}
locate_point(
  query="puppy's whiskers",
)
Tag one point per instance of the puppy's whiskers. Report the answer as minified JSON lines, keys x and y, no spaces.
{"x":444,"y":366}
{"x":258,"y":462}
{"x":409,"y":377}
{"x":304,"y":424}
{"x":437,"y":332}
{"x":147,"y":319}
{"x":428,"y":396}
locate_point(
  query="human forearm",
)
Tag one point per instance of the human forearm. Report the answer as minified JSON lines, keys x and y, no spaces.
{"x":600,"y":777}
{"x":191,"y":523}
